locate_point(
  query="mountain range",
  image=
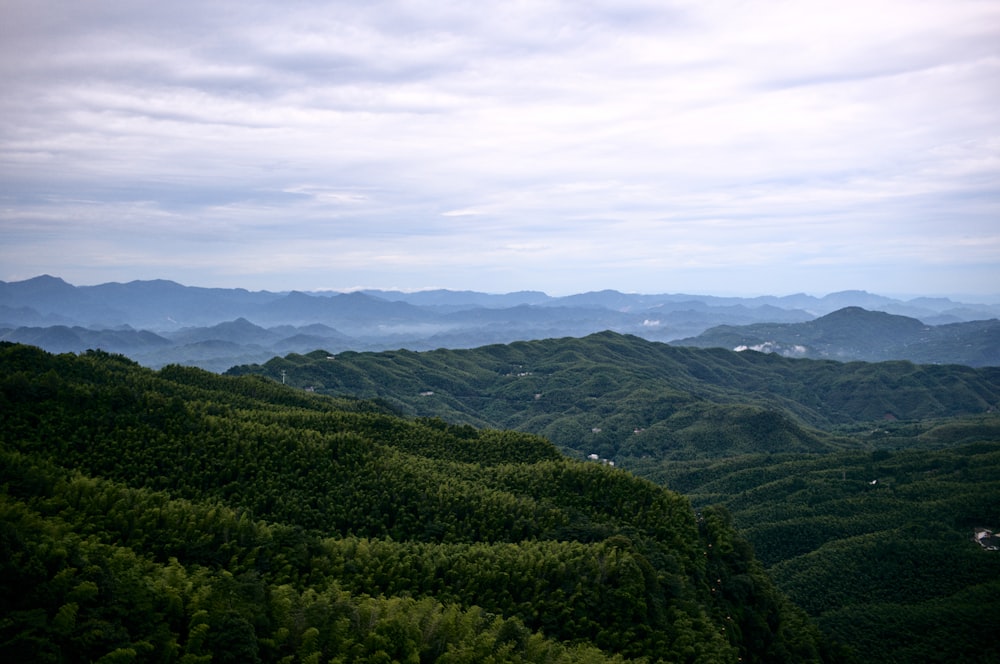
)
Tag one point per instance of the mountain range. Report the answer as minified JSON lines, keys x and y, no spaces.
{"x":853,"y":333}
{"x":620,"y":396}
{"x":161,"y":322}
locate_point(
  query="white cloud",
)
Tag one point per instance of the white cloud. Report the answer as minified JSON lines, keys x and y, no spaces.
{"x":463,"y":212}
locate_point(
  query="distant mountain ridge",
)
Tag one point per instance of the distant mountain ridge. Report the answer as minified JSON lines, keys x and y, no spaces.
{"x":49,"y":312}
{"x":853,"y":333}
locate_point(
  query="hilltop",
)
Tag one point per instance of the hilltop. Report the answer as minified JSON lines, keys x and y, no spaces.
{"x":853,"y":333}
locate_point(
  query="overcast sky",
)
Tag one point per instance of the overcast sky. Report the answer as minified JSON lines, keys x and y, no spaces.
{"x":702,"y":146}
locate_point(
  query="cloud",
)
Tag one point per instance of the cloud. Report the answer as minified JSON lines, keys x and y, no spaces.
{"x":631,"y":141}
{"x":463,"y":212}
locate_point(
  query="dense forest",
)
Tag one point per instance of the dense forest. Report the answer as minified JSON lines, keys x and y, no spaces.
{"x":182,"y":516}
{"x":876,"y":546}
{"x":857,"y":484}
{"x":621,"y":396}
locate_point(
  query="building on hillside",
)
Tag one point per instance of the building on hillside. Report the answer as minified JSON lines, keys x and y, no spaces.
{"x":986,"y":539}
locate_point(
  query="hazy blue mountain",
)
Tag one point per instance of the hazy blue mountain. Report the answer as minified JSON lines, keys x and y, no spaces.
{"x":263,"y":321}
{"x":303,"y":343}
{"x":158,"y":305}
{"x":239,"y":331}
{"x":64,"y":339}
{"x":162,"y":304}
{"x":212,"y":354}
{"x":217,"y":347}
{"x":47,"y":295}
{"x":11,"y":317}
{"x":606,"y":299}
{"x":853,"y":333}
{"x":927,"y":309}
{"x":540,"y":315}
{"x":165,"y":305}
{"x":449,"y":300}
{"x":344,"y":311}
{"x":309,"y":338}
{"x":41,"y":288}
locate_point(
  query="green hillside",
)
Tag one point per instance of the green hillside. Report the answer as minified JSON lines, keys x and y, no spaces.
{"x":787,"y":447}
{"x":876,"y":546}
{"x":618,"y":395}
{"x":183,"y":516}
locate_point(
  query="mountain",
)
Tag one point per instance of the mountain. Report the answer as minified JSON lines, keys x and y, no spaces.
{"x":28,"y":317}
{"x":877,"y":545}
{"x":860,"y":485}
{"x":449,"y":300}
{"x":174,"y":509}
{"x":853,"y":333}
{"x":424,"y":320}
{"x":619,"y":395}
{"x":158,"y":305}
{"x":46,"y":296}
{"x":239,"y":331}
{"x":184,"y":516}
{"x":63,"y":339}
{"x":216,"y":348}
{"x":346,"y":311}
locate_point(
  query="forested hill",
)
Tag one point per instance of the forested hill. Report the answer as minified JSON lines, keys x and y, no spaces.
{"x":183,"y":516}
{"x":859,"y":485}
{"x":854,"y":333}
{"x":621,"y":396}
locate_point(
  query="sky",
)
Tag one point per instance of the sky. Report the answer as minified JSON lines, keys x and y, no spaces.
{"x":729,"y":147}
